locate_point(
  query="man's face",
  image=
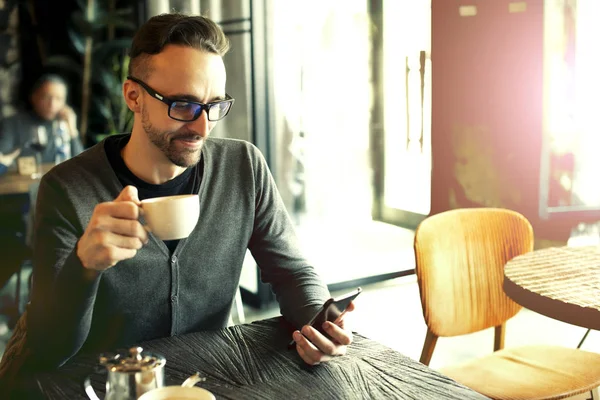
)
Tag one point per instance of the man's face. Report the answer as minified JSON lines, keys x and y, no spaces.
{"x":181,"y":73}
{"x":49,"y":99}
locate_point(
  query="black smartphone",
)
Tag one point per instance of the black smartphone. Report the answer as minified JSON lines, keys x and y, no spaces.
{"x":332,"y":309}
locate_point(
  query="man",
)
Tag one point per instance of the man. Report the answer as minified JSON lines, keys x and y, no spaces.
{"x":51,"y":116}
{"x":57,"y":123}
{"x":100,"y":280}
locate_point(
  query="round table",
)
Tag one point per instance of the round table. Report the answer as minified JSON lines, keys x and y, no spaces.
{"x":560,"y":282}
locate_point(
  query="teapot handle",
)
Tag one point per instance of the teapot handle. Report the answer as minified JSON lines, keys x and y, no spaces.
{"x":89,"y":390}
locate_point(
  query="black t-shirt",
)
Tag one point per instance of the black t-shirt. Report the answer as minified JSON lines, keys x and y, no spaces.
{"x":186,"y":183}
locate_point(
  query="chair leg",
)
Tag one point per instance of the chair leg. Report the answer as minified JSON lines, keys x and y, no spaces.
{"x":428,"y":347}
{"x":18,"y":291}
{"x":499,"y":333}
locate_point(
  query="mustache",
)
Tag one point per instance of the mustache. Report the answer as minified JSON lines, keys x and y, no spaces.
{"x":186,"y":135}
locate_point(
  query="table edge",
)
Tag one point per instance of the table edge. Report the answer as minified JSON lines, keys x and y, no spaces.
{"x":573,"y":314}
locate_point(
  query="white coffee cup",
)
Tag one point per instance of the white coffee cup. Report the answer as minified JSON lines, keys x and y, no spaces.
{"x":177,"y":393}
{"x":171,"y":217}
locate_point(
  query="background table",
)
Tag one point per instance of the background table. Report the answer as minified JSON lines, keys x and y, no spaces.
{"x":252,"y":362}
{"x":17,"y":199}
{"x":13,"y":183}
{"x":560,"y":282}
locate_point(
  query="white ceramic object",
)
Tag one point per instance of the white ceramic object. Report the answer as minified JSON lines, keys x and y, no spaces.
{"x":171,"y":217}
{"x":179,"y":393}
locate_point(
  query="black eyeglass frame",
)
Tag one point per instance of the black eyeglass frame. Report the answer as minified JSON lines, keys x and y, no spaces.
{"x":169,"y":102}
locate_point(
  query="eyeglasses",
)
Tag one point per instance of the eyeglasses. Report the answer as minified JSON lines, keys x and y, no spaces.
{"x":187,"y":111}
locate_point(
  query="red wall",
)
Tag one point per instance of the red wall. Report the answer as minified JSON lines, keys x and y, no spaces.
{"x":487,"y":109}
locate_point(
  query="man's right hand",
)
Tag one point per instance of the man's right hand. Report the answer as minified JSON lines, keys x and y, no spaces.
{"x":114,"y":232}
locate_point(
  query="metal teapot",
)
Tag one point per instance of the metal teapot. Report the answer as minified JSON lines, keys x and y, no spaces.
{"x":130,"y":375}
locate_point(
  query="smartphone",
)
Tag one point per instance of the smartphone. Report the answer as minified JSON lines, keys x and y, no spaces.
{"x":332,"y":309}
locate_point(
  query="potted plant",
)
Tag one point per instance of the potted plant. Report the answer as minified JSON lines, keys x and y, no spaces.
{"x":101,"y":32}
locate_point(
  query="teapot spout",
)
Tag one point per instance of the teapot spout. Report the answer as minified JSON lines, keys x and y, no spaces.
{"x":192,"y":380}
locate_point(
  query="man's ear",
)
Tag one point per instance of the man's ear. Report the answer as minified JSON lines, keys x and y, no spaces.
{"x":131,"y":94}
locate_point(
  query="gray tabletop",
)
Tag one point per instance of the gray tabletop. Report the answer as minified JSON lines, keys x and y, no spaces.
{"x":252,"y":361}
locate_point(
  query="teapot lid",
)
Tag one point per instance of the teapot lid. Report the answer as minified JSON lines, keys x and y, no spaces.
{"x":136,"y":361}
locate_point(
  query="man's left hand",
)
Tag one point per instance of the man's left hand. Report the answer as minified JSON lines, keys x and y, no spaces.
{"x":315,"y":348}
{"x":68,"y":115}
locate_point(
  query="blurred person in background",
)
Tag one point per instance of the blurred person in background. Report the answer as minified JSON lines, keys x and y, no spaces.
{"x":49,"y":128}
{"x":56,"y":122}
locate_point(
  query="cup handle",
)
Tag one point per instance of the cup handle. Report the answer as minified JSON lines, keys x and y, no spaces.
{"x":192,"y":380}
{"x":87,"y":384}
{"x":89,"y":390}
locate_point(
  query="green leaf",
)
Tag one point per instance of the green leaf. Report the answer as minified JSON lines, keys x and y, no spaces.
{"x":124,"y":12}
{"x":126,"y":120}
{"x":124,"y":67}
{"x":76,"y":40}
{"x":83,"y":26}
{"x":100,"y":137}
{"x":101,"y":20}
{"x":99,"y":105}
{"x":111,"y":84}
{"x":64,"y":63}
{"x":115,"y":20}
{"x":82,"y":4}
{"x":103,"y":51}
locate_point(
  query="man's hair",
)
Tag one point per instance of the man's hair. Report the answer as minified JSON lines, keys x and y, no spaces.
{"x":47,"y":78}
{"x":195,"y":31}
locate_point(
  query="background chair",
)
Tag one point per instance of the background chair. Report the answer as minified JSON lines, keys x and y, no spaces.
{"x":460,"y":257}
{"x":14,"y":249}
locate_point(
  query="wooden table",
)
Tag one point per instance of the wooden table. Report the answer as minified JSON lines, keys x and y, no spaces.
{"x":13,"y":183}
{"x":252,"y":361}
{"x":560,"y":282}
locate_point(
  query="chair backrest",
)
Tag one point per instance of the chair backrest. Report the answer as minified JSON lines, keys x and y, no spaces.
{"x":460,"y":257}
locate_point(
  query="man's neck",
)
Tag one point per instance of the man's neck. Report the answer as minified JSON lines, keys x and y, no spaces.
{"x":147,"y":162}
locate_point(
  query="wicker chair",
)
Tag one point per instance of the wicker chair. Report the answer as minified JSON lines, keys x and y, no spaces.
{"x":460,"y":258}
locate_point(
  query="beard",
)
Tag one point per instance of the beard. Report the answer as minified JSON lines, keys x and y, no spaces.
{"x":165,"y":142}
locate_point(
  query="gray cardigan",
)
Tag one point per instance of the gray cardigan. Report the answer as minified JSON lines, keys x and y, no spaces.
{"x":155,"y":294}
